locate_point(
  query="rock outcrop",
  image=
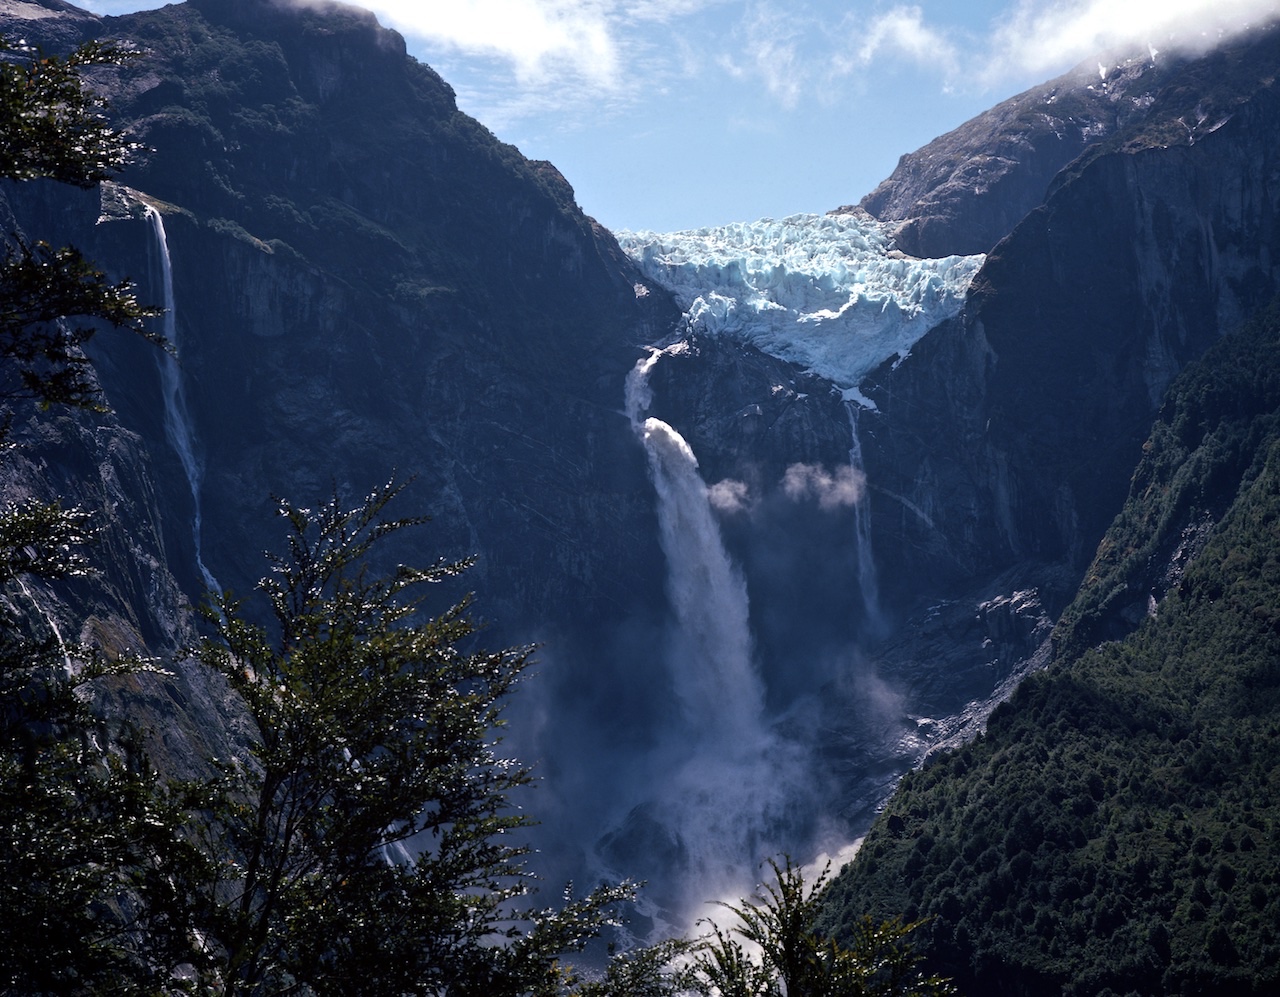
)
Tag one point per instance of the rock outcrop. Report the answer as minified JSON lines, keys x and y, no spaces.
{"x":968,"y":189}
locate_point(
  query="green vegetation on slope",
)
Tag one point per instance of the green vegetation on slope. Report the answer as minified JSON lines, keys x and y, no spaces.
{"x":1116,"y":829}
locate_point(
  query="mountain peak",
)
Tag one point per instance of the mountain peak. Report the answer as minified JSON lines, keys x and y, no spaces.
{"x":327,"y":17}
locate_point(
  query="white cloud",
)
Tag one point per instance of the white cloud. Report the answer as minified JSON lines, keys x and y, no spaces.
{"x":770,"y":41}
{"x":1035,"y":39}
{"x":538,"y":38}
{"x":1039,"y":38}
{"x":902,"y":32}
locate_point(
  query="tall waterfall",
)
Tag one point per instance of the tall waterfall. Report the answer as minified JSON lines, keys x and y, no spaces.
{"x":741,"y":771}
{"x":715,"y":681}
{"x":728,"y":786}
{"x":177,"y":420}
{"x":868,"y":582}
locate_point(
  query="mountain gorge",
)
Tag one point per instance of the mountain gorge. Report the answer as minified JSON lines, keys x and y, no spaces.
{"x":789,"y":506}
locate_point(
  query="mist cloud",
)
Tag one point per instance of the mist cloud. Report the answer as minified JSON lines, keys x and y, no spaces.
{"x":832,"y":490}
{"x":729,"y":496}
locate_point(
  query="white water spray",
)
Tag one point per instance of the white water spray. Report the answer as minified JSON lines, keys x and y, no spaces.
{"x":52,"y":623}
{"x":177,"y":420}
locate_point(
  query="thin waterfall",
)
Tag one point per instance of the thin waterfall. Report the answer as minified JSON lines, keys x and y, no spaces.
{"x":52,"y":623}
{"x":868,"y":581}
{"x":177,"y":420}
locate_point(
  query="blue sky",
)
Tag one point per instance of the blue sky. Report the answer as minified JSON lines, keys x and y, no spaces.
{"x":672,"y":114}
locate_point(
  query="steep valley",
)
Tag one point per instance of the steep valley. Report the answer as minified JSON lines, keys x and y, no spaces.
{"x":767,"y":577}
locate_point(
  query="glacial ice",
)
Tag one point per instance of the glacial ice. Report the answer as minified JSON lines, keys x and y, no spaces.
{"x":822,"y":291}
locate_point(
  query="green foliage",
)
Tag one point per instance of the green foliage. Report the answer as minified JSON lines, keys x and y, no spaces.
{"x":794,"y":959}
{"x":1208,"y":439}
{"x":647,"y":971}
{"x":1117,"y":825}
{"x":54,"y":126}
{"x":368,"y":848}
{"x":89,"y":851}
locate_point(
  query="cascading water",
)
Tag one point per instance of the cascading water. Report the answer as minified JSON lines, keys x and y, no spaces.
{"x":867,"y":579}
{"x":726,"y":789}
{"x":718,"y":688}
{"x":50,"y":621}
{"x":177,"y":420}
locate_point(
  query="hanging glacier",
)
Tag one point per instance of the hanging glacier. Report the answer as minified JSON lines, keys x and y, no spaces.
{"x":826,"y":292}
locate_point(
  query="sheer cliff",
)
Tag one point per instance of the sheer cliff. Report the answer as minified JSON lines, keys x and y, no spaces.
{"x":365,"y":280}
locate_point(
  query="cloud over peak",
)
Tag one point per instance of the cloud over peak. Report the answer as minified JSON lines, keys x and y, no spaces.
{"x":574,"y":52}
{"x":1044,"y":38}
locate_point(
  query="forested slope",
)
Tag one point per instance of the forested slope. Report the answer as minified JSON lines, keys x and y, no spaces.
{"x":1116,"y":829}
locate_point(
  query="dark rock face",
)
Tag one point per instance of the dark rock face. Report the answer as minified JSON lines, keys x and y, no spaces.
{"x":366,"y":282}
{"x":966,"y":190}
{"x":1010,"y":435}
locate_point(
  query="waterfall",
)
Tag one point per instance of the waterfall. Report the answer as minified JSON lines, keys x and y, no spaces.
{"x":867,"y":580}
{"x":177,"y":420}
{"x":52,"y":623}
{"x":729,"y":784}
{"x":715,"y":678}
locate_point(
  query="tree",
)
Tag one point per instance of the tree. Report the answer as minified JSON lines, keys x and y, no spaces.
{"x":52,"y":300}
{"x":794,"y":960}
{"x":368,"y":847}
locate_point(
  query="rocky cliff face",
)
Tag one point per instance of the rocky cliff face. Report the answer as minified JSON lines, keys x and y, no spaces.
{"x":365,"y":283}
{"x":969,"y":188}
{"x":1011,"y":435}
